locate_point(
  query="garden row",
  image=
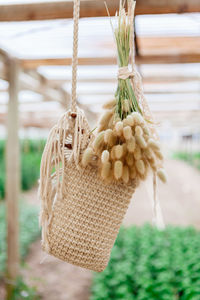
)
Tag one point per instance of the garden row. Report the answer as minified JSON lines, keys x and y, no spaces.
{"x":29,"y":231}
{"x":31,"y":152}
{"x":148,"y":264}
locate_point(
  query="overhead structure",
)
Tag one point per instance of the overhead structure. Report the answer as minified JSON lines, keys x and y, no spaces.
{"x":34,"y":63}
{"x":89,"y":8}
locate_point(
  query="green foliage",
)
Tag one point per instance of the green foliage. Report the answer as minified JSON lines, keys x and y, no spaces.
{"x":2,"y":179}
{"x":31,"y":152}
{"x":30,"y":167}
{"x":148,"y":264}
{"x":29,"y":230}
{"x":23,"y":291}
{"x":192,"y":158}
{"x":2,"y":169}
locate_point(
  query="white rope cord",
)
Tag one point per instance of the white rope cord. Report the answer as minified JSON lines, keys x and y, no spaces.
{"x":136,"y":79}
{"x":75,"y":55}
{"x":132,"y":45}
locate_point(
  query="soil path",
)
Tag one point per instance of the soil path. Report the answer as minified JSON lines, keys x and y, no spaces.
{"x":54,"y":279}
{"x":179,"y":198}
{"x":180,"y":203}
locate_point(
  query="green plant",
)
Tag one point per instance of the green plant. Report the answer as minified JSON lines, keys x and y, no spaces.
{"x":2,"y":179}
{"x":29,"y":230}
{"x":2,"y":169}
{"x":148,"y":264}
{"x":191,"y":158}
{"x":31,"y":152}
{"x":23,"y":291}
{"x":30,"y":169}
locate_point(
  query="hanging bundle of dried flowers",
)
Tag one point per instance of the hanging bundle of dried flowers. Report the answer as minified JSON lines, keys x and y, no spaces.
{"x":126,"y":145}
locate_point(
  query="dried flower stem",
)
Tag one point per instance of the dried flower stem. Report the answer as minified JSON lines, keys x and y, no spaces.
{"x":123,"y":36}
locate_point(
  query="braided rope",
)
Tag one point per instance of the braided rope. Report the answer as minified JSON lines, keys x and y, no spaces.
{"x":132,"y":45}
{"x":75,"y":55}
{"x":138,"y":90}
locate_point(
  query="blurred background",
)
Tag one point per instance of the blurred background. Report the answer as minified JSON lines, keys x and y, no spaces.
{"x":35,"y":89}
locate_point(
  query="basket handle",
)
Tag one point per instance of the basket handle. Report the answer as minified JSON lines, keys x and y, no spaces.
{"x":76,"y":14}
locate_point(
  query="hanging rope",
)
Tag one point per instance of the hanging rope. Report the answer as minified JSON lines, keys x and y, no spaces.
{"x":75,"y":55}
{"x":71,"y":130}
{"x":138,"y":90}
{"x":132,"y":45}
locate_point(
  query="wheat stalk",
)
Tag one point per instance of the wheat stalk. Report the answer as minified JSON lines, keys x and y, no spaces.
{"x":123,"y":35}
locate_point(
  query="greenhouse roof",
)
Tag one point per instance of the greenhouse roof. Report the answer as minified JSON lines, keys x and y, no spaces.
{"x":168,"y":58}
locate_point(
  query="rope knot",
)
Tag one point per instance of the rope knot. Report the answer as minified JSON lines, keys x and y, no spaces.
{"x":124,"y":73}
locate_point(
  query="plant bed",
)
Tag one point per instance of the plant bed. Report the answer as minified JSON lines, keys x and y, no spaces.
{"x":148,"y":264}
{"x":29,"y":231}
{"x":31,"y":152}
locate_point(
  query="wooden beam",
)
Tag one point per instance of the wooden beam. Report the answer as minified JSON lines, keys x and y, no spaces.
{"x":90,"y":8}
{"x":166,"y":6}
{"x":166,"y":79}
{"x":44,"y":88}
{"x":29,"y":64}
{"x":39,"y":86}
{"x":12,"y":177}
{"x":85,"y":61}
{"x":4,"y":57}
{"x":49,"y":90}
{"x":149,"y":92}
{"x":3,"y":71}
{"x":169,"y":45}
{"x":146,"y":80}
{"x":168,"y":59}
{"x":3,"y":54}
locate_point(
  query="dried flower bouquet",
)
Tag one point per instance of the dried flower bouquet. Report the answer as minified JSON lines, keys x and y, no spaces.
{"x":126,"y":146}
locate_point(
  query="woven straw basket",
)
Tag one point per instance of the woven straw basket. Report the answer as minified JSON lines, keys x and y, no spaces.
{"x":86,"y":221}
{"x":80,"y":214}
{"x":80,"y":217}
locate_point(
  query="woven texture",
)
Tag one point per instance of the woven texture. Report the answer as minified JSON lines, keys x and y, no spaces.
{"x":86,"y":218}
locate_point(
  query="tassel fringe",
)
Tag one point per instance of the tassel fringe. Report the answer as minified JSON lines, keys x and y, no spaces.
{"x":65,"y":144}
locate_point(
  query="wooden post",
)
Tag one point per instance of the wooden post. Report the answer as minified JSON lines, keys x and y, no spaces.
{"x":12,"y":177}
